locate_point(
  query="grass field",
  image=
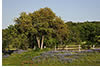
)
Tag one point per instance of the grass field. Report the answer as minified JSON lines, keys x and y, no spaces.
{"x":26,"y":59}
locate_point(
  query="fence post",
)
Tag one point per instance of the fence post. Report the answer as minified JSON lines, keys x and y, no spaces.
{"x":55,"y":47}
{"x":67,"y":47}
{"x":34,"y":47}
{"x":44,"y":46}
{"x":93,"y":46}
{"x":79,"y":48}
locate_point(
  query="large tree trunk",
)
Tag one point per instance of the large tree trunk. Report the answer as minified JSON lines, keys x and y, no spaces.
{"x":38,"y":41}
{"x":42,"y":42}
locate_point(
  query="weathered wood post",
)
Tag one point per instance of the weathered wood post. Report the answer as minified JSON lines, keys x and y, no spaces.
{"x":67,"y":47}
{"x":34,"y":47}
{"x":79,"y":48}
{"x":93,"y":46}
{"x":44,"y":46}
{"x":55,"y":47}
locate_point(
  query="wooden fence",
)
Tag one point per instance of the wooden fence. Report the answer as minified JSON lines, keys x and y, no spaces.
{"x":69,"y":47}
{"x":73,"y":47}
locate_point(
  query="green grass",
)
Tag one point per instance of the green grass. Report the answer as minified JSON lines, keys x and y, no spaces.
{"x":18,"y":59}
{"x":25,"y":59}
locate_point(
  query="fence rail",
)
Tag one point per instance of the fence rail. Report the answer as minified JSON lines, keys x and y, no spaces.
{"x":74,"y":47}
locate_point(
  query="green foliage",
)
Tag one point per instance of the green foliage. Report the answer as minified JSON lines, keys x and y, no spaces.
{"x":86,"y":31}
{"x":74,"y":36}
{"x":42,"y":22}
{"x":88,"y":47}
{"x":50,"y":42}
{"x":13,"y":39}
{"x":45,"y":27}
{"x":89,"y":31}
{"x":83,"y":47}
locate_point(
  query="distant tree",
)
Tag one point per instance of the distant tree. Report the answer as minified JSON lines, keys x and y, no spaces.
{"x":89,"y":31}
{"x":4,"y":39}
{"x":74,"y":36}
{"x":12,"y":38}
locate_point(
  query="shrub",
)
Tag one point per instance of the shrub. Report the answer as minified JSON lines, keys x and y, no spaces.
{"x":37,"y":49}
{"x":88,"y":47}
{"x":83,"y":46}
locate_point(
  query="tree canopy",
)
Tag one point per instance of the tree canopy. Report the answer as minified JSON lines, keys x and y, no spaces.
{"x":43,"y":28}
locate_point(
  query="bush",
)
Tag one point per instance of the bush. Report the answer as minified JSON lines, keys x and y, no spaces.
{"x":88,"y":47}
{"x":37,"y":49}
{"x":83,"y":46}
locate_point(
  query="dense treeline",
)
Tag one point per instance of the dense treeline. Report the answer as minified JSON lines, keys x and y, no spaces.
{"x":43,"y":28}
{"x":84,"y":32}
